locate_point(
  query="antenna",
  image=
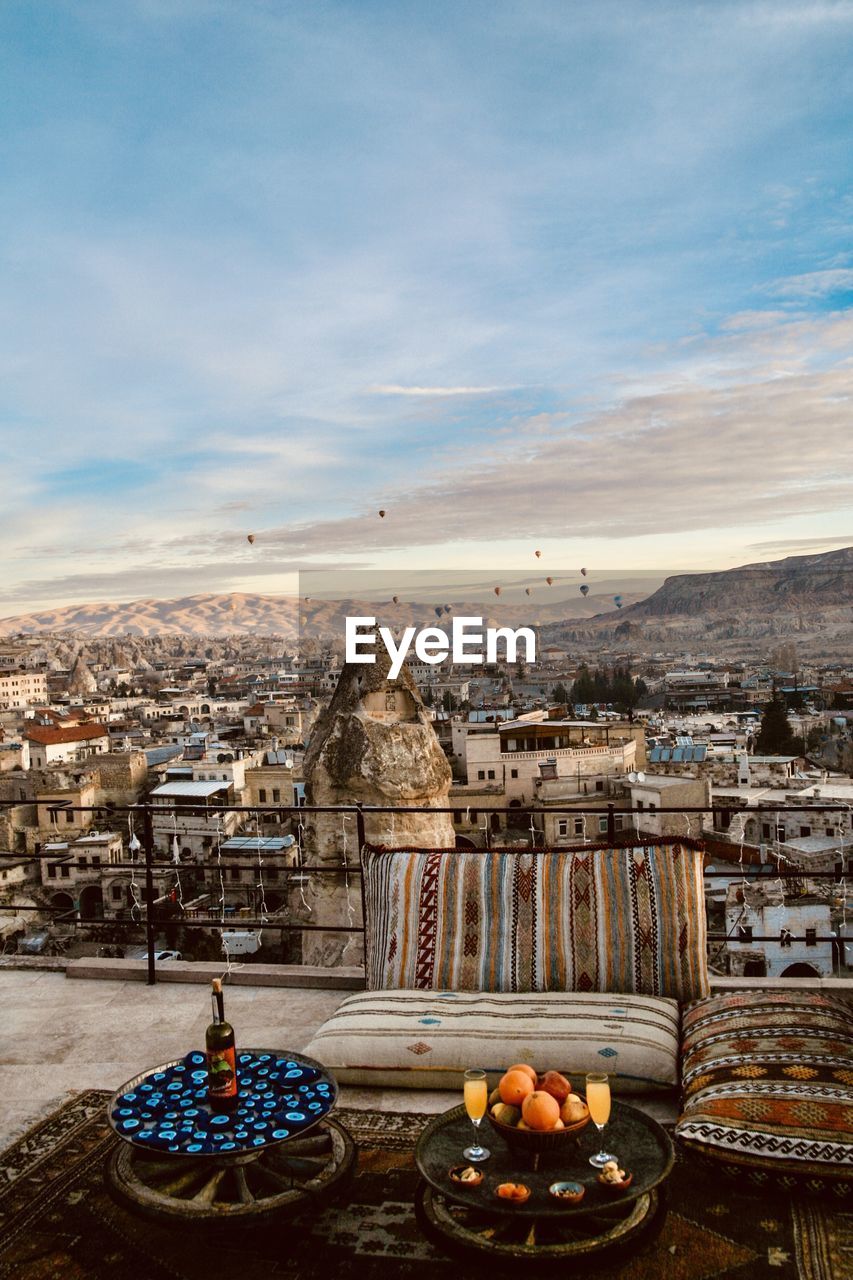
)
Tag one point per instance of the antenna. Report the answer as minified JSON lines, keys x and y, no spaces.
{"x":633,"y":776}
{"x":641,"y":777}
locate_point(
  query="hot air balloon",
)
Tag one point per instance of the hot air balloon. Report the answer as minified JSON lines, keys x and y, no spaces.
{"x":537,"y":554}
{"x":396,"y":599}
{"x":584,"y":589}
{"x":583,"y":571}
{"x":617,"y":600}
{"x":549,"y":581}
{"x":250,"y":538}
{"x":381,"y":515}
{"x":497,"y":591}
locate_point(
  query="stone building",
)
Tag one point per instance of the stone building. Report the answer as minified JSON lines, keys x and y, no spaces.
{"x":375,"y":745}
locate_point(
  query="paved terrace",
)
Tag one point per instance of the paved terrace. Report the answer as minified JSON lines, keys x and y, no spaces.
{"x":61,"y":1036}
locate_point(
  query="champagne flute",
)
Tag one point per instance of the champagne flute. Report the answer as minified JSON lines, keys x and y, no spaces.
{"x":598,"y":1102}
{"x":476,"y":1094}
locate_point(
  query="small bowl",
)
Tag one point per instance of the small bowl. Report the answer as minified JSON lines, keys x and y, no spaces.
{"x":515,"y":1199}
{"x":455,"y":1175}
{"x":567,"y":1192}
{"x":615,"y":1188}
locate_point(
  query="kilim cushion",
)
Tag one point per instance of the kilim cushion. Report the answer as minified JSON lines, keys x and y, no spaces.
{"x":768,"y":1085}
{"x":428,"y":1039}
{"x":615,"y":920}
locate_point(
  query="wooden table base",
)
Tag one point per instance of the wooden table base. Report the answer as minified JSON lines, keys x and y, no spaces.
{"x":246,"y":1188}
{"x":472,"y":1233}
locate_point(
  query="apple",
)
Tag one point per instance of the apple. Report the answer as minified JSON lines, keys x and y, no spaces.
{"x":555,"y":1084}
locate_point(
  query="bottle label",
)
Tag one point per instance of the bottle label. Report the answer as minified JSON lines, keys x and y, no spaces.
{"x":222,"y":1073}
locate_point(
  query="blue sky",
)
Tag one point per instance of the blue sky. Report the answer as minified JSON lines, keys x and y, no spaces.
{"x":570,"y":276}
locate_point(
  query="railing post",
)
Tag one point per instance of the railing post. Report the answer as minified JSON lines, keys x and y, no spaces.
{"x":148,"y":847}
{"x":359,"y":828}
{"x":611,"y":823}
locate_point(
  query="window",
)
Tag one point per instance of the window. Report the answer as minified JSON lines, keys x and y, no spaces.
{"x":491,"y":775}
{"x":513,"y":773}
{"x":811,"y":937}
{"x":640,"y":806}
{"x":82,"y":863}
{"x":457,"y":815}
{"x":830,"y":831}
{"x":617,"y":822}
{"x":276,"y":795}
{"x":744,"y":933}
{"x":602,"y":825}
{"x":481,"y":775}
{"x":652,"y":807}
{"x":766,"y":830}
{"x":262,"y":795}
{"x":578,"y":826}
{"x":599,"y":784}
{"x":69,"y":817}
{"x":235,"y":873}
{"x":96,"y":861}
{"x":116,"y":892}
{"x":563,"y":827}
{"x":65,"y":871}
{"x":805,"y":831}
{"x":51,"y":871}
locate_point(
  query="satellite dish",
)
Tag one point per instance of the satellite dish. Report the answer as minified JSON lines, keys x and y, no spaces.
{"x":632,"y":776}
{"x":641,"y":777}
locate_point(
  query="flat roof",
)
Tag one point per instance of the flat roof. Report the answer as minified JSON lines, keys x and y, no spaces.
{"x":189,"y":788}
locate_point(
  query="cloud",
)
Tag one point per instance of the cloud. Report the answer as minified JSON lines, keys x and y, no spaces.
{"x":789,"y":545}
{"x":392,"y":390}
{"x":814,"y":284}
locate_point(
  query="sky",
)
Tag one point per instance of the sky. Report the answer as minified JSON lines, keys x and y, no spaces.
{"x":568,"y":276}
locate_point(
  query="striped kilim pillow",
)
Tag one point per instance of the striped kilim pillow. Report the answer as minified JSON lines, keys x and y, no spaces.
{"x":618,"y":920}
{"x":768,"y":1086}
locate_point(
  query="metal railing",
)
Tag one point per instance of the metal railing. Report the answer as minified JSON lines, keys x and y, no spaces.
{"x":158,"y":867}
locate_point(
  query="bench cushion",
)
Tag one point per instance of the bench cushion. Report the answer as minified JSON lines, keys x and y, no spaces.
{"x":611,"y":920}
{"x":768,"y":1086}
{"x":428,"y":1039}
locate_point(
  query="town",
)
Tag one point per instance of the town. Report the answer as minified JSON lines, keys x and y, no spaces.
{"x":218,"y":736}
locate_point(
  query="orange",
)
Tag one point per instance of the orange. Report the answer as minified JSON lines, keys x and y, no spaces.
{"x":522,"y":1066}
{"x":540,"y":1110}
{"x":514,"y":1088}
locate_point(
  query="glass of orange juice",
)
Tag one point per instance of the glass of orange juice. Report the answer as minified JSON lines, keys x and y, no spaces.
{"x":476,"y":1094}
{"x":598,"y":1102}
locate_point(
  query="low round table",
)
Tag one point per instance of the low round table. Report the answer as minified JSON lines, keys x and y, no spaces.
{"x":188,"y":1160}
{"x":473,"y":1222}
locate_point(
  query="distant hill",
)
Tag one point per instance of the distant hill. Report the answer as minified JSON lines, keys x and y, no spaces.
{"x":241,"y":614}
{"x":795,"y":584}
{"x":808,"y":598}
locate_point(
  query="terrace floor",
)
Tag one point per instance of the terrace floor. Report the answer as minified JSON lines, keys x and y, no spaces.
{"x":61,"y":1036}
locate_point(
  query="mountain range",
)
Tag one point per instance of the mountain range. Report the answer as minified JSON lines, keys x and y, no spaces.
{"x":798,"y":595}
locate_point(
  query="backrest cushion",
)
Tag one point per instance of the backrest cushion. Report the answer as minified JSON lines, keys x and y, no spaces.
{"x":618,"y":920}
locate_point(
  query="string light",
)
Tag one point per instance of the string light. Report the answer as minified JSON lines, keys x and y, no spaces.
{"x":345,"y":818}
{"x":260,"y":885}
{"x":176,"y":861}
{"x":134,"y":846}
{"x":300,"y":837}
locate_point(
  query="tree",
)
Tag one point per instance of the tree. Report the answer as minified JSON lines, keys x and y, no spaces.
{"x":775,"y":737}
{"x":561,"y":693}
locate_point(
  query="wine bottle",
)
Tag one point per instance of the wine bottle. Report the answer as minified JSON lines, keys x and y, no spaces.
{"x":221,"y":1055}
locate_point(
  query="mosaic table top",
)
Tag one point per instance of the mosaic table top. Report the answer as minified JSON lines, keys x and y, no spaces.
{"x":280,"y":1095}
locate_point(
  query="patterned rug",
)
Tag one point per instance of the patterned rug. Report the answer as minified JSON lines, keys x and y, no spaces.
{"x":58,"y":1220}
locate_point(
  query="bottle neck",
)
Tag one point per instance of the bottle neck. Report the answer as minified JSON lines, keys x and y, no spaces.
{"x":218,"y":1006}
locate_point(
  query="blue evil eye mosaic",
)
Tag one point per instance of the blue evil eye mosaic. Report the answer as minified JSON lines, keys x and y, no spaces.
{"x":278,"y":1096}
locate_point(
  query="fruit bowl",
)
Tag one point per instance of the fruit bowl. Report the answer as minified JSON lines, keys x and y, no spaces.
{"x":537,"y":1141}
{"x":616,"y":1188}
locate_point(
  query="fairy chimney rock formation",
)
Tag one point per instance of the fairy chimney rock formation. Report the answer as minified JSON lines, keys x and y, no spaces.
{"x":375,"y":745}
